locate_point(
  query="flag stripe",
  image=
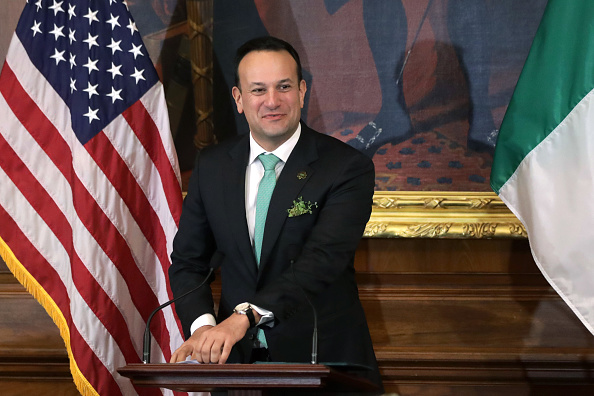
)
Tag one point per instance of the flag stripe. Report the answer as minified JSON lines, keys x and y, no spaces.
{"x":139,"y":120}
{"x":143,"y":214}
{"x":554,"y":80}
{"x":26,"y":109}
{"x":43,"y":204}
{"x":40,"y":261}
{"x":118,"y":174}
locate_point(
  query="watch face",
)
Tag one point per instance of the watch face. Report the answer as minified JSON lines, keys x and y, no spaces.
{"x":242,"y":307}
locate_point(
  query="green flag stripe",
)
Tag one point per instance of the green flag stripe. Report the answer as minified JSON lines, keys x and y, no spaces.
{"x":558,"y":73}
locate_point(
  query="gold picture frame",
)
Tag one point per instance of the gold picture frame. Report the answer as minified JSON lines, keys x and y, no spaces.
{"x":446,"y":214}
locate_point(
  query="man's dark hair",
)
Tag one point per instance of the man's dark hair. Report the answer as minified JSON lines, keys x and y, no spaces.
{"x":265,"y":43}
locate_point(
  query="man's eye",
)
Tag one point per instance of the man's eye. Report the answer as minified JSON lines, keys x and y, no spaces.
{"x":284,"y":87}
{"x":258,"y":91}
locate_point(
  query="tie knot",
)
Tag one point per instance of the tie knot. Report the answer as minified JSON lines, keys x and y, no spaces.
{"x":269,"y":161}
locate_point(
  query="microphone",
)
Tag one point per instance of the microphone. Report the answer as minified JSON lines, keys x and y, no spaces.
{"x":293,"y":253}
{"x":215,"y":262}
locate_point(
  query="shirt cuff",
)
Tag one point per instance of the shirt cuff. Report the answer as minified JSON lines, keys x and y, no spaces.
{"x":203,"y":320}
{"x":266,"y":317}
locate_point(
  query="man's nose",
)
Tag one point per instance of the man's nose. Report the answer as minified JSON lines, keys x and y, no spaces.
{"x":272,"y":99}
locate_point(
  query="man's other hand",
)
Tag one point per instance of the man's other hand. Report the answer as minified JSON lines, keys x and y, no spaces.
{"x":212,"y":344}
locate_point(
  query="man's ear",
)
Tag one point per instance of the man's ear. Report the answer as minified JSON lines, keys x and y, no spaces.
{"x":302,"y":90}
{"x":236,"y":92}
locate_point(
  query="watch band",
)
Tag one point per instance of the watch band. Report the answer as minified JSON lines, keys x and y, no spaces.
{"x":250,"y":315}
{"x":246,"y":309}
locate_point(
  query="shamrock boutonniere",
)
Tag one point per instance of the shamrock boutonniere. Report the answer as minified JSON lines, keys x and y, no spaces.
{"x":301,"y":207}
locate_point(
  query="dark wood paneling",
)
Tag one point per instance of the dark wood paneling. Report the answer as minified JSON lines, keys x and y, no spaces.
{"x":470,"y":317}
{"x":447,"y":317}
{"x":33,"y":358}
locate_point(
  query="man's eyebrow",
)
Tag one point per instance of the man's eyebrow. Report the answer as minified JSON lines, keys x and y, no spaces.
{"x":257,"y":84}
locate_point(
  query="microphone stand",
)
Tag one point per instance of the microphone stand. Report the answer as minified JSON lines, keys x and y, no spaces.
{"x":314,"y":339}
{"x":146,"y":350}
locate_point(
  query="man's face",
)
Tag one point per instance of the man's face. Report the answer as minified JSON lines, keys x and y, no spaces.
{"x":270,"y":96}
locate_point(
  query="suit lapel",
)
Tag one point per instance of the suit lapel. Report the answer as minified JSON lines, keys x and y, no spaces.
{"x":235,"y":199}
{"x":287,"y":189}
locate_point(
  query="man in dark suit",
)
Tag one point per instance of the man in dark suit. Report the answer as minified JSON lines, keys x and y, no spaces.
{"x":316,"y":216}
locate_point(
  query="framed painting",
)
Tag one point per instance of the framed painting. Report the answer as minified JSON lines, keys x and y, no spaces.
{"x":420,"y":86}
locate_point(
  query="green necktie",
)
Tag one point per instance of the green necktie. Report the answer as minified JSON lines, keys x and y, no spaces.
{"x":265,"y":189}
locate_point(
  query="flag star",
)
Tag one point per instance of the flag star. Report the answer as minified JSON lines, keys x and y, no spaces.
{"x":138,"y":75}
{"x":91,"y":89}
{"x":72,"y":85}
{"x":126,"y":4}
{"x":115,"y":70}
{"x":132,"y":26}
{"x":115,"y":95}
{"x":71,"y":12}
{"x":91,"y":40}
{"x":114,"y":21}
{"x":115,"y":46}
{"x":92,"y":16}
{"x":71,"y":35}
{"x":58,"y":56}
{"x":38,"y":4}
{"x":136,"y":50}
{"x":91,"y":65}
{"x":57,"y":32}
{"x":72,"y":60}
{"x":91,"y":114}
{"x":57,"y":7}
{"x":36,"y":28}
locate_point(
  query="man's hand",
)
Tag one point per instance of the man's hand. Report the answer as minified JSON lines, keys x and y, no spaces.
{"x":212,"y":344}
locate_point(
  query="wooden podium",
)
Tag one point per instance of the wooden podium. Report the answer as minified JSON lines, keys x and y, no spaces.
{"x":238,"y":379}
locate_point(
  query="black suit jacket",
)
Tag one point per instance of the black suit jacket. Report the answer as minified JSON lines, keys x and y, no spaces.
{"x":321,"y":170}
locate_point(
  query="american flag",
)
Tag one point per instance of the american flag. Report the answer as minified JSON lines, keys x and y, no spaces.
{"x":90,"y":191}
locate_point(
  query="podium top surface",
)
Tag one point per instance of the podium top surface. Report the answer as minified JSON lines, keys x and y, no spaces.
{"x":209,"y":377}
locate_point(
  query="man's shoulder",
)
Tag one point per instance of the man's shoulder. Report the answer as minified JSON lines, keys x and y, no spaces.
{"x":223,"y":148}
{"x":329,"y":145}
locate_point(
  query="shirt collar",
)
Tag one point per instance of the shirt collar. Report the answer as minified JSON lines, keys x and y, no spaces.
{"x":282,"y":152}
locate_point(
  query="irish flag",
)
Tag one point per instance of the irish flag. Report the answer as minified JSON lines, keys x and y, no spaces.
{"x":544,"y":160}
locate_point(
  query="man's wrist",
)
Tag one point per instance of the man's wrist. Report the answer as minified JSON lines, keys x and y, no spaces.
{"x":246,"y":310}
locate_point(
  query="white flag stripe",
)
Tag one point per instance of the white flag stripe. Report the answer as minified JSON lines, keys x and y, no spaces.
{"x":103,"y":192}
{"x":132,"y":152}
{"x":36,"y":160}
{"x":110,"y":280}
{"x":157,"y":109}
{"x":48,"y":245}
{"x":39,"y":90}
{"x":558,"y":246}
